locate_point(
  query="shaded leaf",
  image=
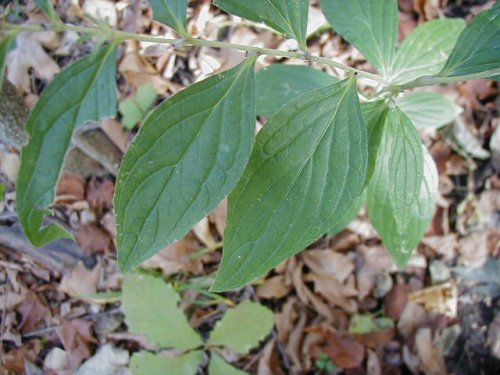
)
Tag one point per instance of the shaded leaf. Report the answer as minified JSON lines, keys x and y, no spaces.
{"x":151,"y":309}
{"x":5,"y":45}
{"x":288,"y":17}
{"x":374,"y":114}
{"x":279,"y":84}
{"x":146,"y":363}
{"x":478,"y":47}
{"x":243,"y":327}
{"x":84,"y":91}
{"x":134,"y":110}
{"x":171,"y":13}
{"x":370,"y":26}
{"x":428,"y":109}
{"x":188,"y":155}
{"x":286,"y":198}
{"x":218,"y":366}
{"x":426,"y":50}
{"x":349,"y":215}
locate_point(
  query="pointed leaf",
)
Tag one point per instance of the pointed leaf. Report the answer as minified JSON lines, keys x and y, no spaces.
{"x":84,"y":91}
{"x":151,"y":308}
{"x":374,"y":114}
{"x":171,"y":13}
{"x":349,"y":216}
{"x":425,"y":51}
{"x":5,"y":45}
{"x":288,"y":17}
{"x":428,"y":109}
{"x":370,"y":26}
{"x":218,"y":366}
{"x":478,"y":47}
{"x":188,"y":155}
{"x":306,"y":169}
{"x":48,"y":8}
{"x":146,"y":363}
{"x":279,"y":84}
{"x":243,"y":327}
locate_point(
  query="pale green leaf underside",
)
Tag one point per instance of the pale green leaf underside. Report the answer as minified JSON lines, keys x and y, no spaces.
{"x":403,"y":189}
{"x":307,"y":167}
{"x":151,"y":308}
{"x":243,"y":327}
{"x":478,"y":47}
{"x":218,"y":366}
{"x":5,"y":45}
{"x":370,"y":26}
{"x":171,"y":13}
{"x":188,"y":155}
{"x":288,"y":17}
{"x":428,"y":109}
{"x":426,"y":50}
{"x":279,"y":84}
{"x":146,"y":363}
{"x":84,"y":91}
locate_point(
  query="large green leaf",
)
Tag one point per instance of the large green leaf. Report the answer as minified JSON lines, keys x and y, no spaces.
{"x":171,"y":13}
{"x":478,"y":47}
{"x":428,"y":109}
{"x":306,"y":169}
{"x":349,"y":216}
{"x":403,"y":189}
{"x":243,"y":327}
{"x":285,"y":16}
{"x":151,"y":308}
{"x":425,"y":51}
{"x":5,"y":45}
{"x":187,"y":157}
{"x":218,"y":366}
{"x":374,"y":114}
{"x":146,"y":363}
{"x":369,"y":25}
{"x":279,"y":84}
{"x":84,"y":91}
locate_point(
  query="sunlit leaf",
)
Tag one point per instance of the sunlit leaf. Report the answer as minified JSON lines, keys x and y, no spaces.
{"x":146,"y":363}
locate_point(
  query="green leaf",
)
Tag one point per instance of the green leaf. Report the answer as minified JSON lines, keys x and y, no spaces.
{"x":5,"y":45}
{"x":188,"y":155}
{"x":426,"y":50}
{"x":84,"y":91}
{"x":134,"y":110}
{"x":218,"y":366}
{"x":306,"y":169}
{"x":478,"y":47}
{"x":404,"y":187}
{"x":48,"y":8}
{"x":243,"y":327}
{"x":171,"y":13}
{"x":428,"y":109}
{"x":146,"y":363}
{"x":370,"y":26}
{"x":151,"y":308}
{"x":288,"y":17}
{"x":349,"y":216}
{"x":279,"y":84}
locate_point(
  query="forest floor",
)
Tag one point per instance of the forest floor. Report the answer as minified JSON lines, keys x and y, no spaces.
{"x":60,"y":305}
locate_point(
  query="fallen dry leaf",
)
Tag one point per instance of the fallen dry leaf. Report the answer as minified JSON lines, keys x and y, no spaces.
{"x":327,"y":263}
{"x":441,"y":298}
{"x":413,"y":317}
{"x":92,"y":238}
{"x":202,"y":230}
{"x":430,"y":355}
{"x":107,"y":361}
{"x":34,"y":313}
{"x":344,"y":351}
{"x":100,"y":193}
{"x":80,"y":281}
{"x":76,"y":337}
{"x":274,"y":287}
{"x":71,"y":187}
{"x":396,"y":300}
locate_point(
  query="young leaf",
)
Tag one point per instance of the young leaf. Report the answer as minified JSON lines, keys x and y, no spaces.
{"x":478,"y":47}
{"x":370,"y":26}
{"x":188,"y":155}
{"x":5,"y":45}
{"x":171,"y":13}
{"x":404,"y":187}
{"x":243,"y":327}
{"x":146,"y":363}
{"x":306,"y":169}
{"x":428,"y":109}
{"x":218,"y":366}
{"x":288,"y":17}
{"x":84,"y":91}
{"x":425,"y":51}
{"x":279,"y":84}
{"x":151,"y":308}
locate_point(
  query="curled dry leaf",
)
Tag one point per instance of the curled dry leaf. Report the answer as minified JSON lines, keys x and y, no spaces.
{"x":327,"y":263}
{"x":285,"y":320}
{"x":344,"y":351}
{"x":430,"y":355}
{"x":80,"y":281}
{"x":442,"y":298}
{"x":274,"y":287}
{"x":202,"y":231}
{"x":413,"y":317}
{"x":92,"y":238}
{"x":76,"y":337}
{"x":375,"y":261}
{"x":34,"y":313}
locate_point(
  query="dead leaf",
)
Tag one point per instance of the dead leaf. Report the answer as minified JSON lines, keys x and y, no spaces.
{"x":269,"y":361}
{"x":100,"y":193}
{"x":56,"y":362}
{"x":285,"y":320}
{"x":413,"y":317}
{"x":34,"y":313}
{"x":327,"y":263}
{"x":344,"y":351}
{"x":473,"y":249}
{"x":116,"y":133}
{"x":71,"y":187}
{"x":273,"y":287}
{"x":15,"y":360}
{"x":107,"y":361}
{"x":396,"y":300}
{"x":76,"y":337}
{"x":9,"y":165}
{"x":219,"y":217}
{"x":375,"y":261}
{"x":202,"y":231}
{"x":80,"y":281}
{"x":92,"y":238}
{"x":373,"y":366}
{"x":441,"y":298}
{"x":430,"y":355}
{"x":334,"y":292}
{"x":294,"y":343}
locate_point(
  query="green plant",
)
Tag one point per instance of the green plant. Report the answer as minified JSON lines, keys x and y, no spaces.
{"x":306,"y":172}
{"x":151,"y":308}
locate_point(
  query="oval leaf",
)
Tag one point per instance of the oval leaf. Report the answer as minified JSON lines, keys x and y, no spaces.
{"x":218,"y":366}
{"x":84,"y":91}
{"x":370,"y":26}
{"x":306,"y":169}
{"x":288,"y":17}
{"x":279,"y":84}
{"x":428,"y":109}
{"x":187,"y":157}
{"x":243,"y":327}
{"x":171,"y":13}
{"x":478,"y":47}
{"x":146,"y":363}
{"x":426,"y":49}
{"x":151,"y":308}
